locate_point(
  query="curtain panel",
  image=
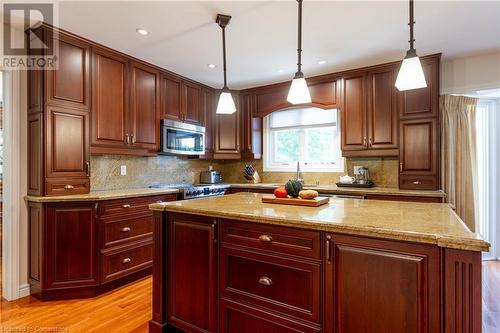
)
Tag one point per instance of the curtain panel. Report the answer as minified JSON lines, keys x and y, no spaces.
{"x":458,"y":165}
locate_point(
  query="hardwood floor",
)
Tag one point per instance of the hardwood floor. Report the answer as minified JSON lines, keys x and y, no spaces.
{"x":128,"y":309}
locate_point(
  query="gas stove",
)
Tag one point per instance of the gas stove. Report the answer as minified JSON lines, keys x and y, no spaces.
{"x":190,"y":191}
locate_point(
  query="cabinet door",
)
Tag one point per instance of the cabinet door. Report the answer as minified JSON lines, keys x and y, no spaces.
{"x":171,"y":98}
{"x":192,"y":107}
{"x":423,"y":102}
{"x":70,"y":245}
{"x":271,"y":99}
{"x":110,"y":99}
{"x":354,"y":113}
{"x":209,"y":114}
{"x":381,"y":286}
{"x":69,"y":85}
{"x":144,"y":106}
{"x":251,"y":128}
{"x":192,"y":273}
{"x":227,"y":136}
{"x":324,"y":94}
{"x":382,"y":110}
{"x":66,"y":142}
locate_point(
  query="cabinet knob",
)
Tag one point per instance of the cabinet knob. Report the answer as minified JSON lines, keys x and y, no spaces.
{"x":265,"y":238}
{"x":87,"y":169}
{"x":132,"y":138}
{"x":69,"y":187}
{"x":417,"y":182}
{"x":126,"y":206}
{"x":265,"y":281}
{"x":127,"y":139}
{"x":126,"y":260}
{"x":400,"y":167}
{"x":126,"y":229}
{"x":364,"y":141}
{"x":370,"y":142}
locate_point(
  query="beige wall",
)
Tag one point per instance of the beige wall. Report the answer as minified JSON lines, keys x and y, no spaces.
{"x":469,"y":74}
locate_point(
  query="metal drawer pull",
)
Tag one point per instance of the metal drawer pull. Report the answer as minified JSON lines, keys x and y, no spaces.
{"x":126,"y":229}
{"x":417,"y":182}
{"x":264,"y":280}
{"x":265,"y":238}
{"x":126,"y":206}
{"x":126,"y":260}
{"x":69,"y":187}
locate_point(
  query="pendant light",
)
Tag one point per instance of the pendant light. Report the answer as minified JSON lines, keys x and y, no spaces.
{"x":411,"y":75}
{"x":226,"y":103}
{"x":299,"y":92}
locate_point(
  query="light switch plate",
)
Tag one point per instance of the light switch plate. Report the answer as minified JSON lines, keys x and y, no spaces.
{"x":123,"y":170}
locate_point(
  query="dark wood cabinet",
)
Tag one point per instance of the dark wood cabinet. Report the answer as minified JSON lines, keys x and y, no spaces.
{"x":370,"y":113}
{"x":192,"y":103}
{"x":192,"y":272}
{"x":82,"y":249}
{"x":251,"y":128}
{"x":208,"y":102}
{"x":182,"y":100}
{"x":419,"y":138}
{"x":393,"y":286}
{"x":110,"y":91}
{"x":144,"y":106}
{"x":227,"y":133}
{"x":171,"y":97}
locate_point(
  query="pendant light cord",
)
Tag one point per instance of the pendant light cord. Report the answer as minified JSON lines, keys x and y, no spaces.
{"x":224,"y":55}
{"x":299,"y":42}
{"x":411,"y":23}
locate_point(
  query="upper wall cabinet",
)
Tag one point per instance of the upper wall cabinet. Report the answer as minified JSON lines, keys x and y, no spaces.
{"x":181,"y":100}
{"x":370,"y":113}
{"x":227,"y":133}
{"x":208,"y":110}
{"x":70,"y":84}
{"x":272,"y":98}
{"x":251,"y":128}
{"x":144,"y":106}
{"x":110,"y":91}
{"x":423,"y":102}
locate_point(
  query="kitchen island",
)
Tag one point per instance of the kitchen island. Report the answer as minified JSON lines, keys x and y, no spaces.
{"x":234,"y":264}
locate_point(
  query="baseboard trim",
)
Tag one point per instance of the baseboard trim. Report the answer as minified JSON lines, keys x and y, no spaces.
{"x":24,"y":290}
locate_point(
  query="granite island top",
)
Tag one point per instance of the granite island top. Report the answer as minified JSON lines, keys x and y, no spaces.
{"x":334,"y":189}
{"x":104,"y":195}
{"x":429,"y":223}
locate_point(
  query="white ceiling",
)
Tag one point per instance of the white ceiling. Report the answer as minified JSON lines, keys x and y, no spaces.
{"x":261,"y":37}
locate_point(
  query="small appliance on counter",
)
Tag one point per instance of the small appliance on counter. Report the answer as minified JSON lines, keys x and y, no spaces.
{"x":361,"y":178}
{"x":251,"y":175}
{"x":190,"y":191}
{"x":178,"y":138}
{"x":210,"y":177}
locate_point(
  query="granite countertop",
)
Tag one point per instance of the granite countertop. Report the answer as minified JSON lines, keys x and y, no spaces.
{"x":429,"y":223}
{"x":103,"y":195}
{"x":334,"y":189}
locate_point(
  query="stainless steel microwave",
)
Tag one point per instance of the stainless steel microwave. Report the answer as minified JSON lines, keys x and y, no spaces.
{"x":181,"y":138}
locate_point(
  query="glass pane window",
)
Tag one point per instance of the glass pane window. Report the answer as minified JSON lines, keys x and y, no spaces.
{"x":309,"y":136}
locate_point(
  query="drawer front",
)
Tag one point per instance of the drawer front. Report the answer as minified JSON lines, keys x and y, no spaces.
{"x":131,"y":205}
{"x":273,"y":238}
{"x":68,"y":186}
{"x":127,"y":229}
{"x":126,"y":260}
{"x":418,"y":182}
{"x":288,"y":286}
{"x":239,"y":318}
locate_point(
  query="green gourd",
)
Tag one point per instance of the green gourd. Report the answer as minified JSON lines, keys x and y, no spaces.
{"x":293,"y":187}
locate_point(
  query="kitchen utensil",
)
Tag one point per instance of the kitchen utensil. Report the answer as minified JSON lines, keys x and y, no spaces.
{"x":210,"y":177}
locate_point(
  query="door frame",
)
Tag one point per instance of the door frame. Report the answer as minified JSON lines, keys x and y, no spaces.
{"x":15,"y":221}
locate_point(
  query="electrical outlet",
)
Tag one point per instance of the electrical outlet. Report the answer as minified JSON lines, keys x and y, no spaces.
{"x":123,"y":170}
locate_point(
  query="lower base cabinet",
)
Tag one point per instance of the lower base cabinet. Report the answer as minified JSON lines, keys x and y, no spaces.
{"x":243,"y":277}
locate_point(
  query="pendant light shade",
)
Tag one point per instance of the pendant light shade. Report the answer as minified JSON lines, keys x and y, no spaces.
{"x":411,"y":74}
{"x":299,"y":92}
{"x":226,"y":103}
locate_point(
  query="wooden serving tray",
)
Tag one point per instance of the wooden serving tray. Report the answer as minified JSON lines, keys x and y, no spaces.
{"x":318,"y":201}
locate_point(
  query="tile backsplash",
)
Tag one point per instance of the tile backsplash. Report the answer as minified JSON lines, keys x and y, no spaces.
{"x":142,"y":171}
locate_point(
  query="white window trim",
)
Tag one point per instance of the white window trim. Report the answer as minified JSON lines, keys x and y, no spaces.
{"x":267,"y":145}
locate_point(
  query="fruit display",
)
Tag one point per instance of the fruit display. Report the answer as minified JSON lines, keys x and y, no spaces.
{"x":280,"y":192}
{"x":308,"y":194}
{"x":293,"y":187}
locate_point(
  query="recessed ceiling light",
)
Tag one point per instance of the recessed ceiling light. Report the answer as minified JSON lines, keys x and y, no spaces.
{"x":322,"y":62}
{"x":142,"y":31}
{"x":211,"y":66}
{"x":279,"y":70}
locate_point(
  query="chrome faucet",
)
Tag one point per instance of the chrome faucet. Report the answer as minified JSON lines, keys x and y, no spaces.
{"x":300,"y":176}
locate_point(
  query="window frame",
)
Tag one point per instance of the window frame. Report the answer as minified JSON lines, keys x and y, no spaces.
{"x":268,"y":146}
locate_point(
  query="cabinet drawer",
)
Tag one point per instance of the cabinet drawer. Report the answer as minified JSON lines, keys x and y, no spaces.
{"x":418,"y":182}
{"x":239,"y":318}
{"x":273,"y":238}
{"x":131,"y":205}
{"x":288,"y":286}
{"x":127,"y":229}
{"x":125,"y":260}
{"x":68,"y":186}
